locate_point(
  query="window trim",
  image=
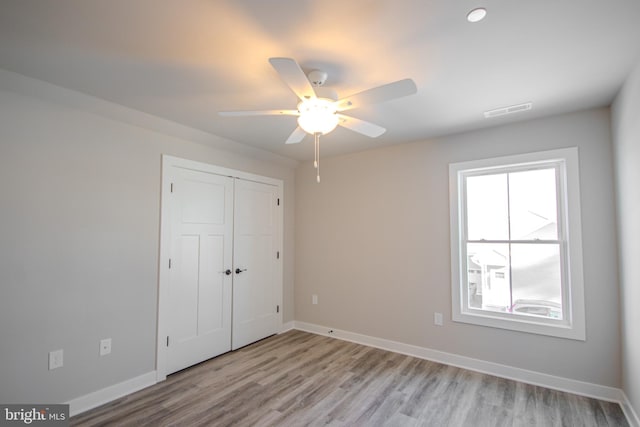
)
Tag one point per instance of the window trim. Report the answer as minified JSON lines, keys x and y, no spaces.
{"x":573,"y":325}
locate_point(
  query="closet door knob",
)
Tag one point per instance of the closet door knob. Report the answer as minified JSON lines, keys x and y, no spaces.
{"x":238,"y":271}
{"x":227,"y":272}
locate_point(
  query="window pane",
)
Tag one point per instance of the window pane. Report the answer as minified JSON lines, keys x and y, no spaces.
{"x":536,"y":276}
{"x":487,"y":213}
{"x":533,"y":209}
{"x":488,"y":276}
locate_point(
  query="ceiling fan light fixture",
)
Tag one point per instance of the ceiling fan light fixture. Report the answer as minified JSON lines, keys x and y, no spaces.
{"x":317,"y":116}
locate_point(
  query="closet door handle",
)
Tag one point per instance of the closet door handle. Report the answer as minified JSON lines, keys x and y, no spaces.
{"x":227,"y":272}
{"x":238,"y":271}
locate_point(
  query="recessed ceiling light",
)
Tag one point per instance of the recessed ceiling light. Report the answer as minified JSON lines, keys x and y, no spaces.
{"x":477,"y":14}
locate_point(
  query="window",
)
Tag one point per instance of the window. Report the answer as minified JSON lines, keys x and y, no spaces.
{"x":516,"y":248}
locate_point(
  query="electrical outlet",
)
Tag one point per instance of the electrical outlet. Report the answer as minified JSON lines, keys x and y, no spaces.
{"x":105,"y":346}
{"x":314,"y":299}
{"x":437,"y":319}
{"x":55,"y":359}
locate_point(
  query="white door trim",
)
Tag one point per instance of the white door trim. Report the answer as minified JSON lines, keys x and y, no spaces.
{"x":168,"y":162}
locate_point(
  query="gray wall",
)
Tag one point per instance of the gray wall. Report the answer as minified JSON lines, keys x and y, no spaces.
{"x":372,"y":241}
{"x":79,"y":237}
{"x":626,"y":136}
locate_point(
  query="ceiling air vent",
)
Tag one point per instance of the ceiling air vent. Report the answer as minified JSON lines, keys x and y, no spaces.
{"x":507,"y":110}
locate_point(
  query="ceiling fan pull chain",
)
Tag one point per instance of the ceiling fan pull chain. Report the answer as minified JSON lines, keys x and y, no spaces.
{"x":315,"y":150}
{"x":318,"y":156}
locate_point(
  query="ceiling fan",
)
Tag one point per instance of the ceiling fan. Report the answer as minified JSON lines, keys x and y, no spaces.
{"x":320,"y":110}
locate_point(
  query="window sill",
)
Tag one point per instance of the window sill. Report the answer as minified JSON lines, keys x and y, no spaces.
{"x":523,"y":324}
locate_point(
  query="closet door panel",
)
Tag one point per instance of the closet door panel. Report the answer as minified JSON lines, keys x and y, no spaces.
{"x":255,"y":299}
{"x":199,"y":297}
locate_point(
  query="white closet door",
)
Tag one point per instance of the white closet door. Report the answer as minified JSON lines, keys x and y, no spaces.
{"x":255,"y":298}
{"x":199,"y":291}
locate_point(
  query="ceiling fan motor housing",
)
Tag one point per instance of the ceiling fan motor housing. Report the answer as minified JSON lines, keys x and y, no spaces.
{"x":317,"y":77}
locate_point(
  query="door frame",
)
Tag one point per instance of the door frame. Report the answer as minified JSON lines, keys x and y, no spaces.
{"x":168,"y":163}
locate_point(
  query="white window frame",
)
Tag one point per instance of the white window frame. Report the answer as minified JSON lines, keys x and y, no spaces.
{"x":572,"y":325}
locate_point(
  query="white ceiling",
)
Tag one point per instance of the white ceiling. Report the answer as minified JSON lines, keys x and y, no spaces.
{"x":186,"y":60}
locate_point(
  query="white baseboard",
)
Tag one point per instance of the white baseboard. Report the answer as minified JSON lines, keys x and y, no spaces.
{"x":530,"y":377}
{"x":288,"y":326}
{"x":629,"y":412}
{"x":108,"y":394}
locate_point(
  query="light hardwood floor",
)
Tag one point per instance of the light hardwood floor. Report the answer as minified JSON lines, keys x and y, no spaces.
{"x":300,"y":379}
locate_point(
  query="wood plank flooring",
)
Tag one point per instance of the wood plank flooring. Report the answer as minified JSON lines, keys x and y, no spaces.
{"x":302,"y":379}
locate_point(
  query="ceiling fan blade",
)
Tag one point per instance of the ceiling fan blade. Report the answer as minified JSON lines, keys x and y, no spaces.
{"x":259,"y":113}
{"x":377,"y":94}
{"x":291,"y":73}
{"x":360,"y":126}
{"x":296,"y":136}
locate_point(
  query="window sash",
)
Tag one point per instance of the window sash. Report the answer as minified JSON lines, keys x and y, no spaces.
{"x":464,"y":285}
{"x":558,"y":167}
